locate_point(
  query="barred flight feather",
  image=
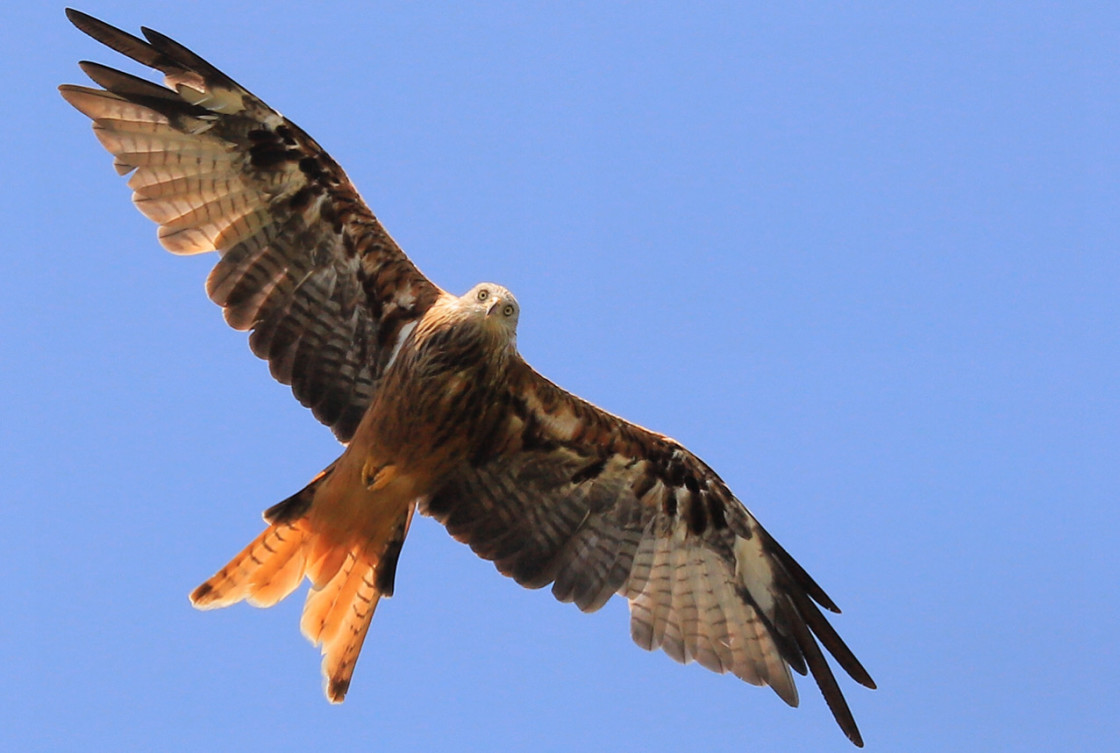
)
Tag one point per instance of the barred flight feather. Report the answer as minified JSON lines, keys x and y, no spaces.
{"x":191,"y":144}
{"x":670,"y":526}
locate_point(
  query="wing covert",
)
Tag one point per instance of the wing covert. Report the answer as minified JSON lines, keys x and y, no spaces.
{"x":304,"y":264}
{"x":571,"y":495}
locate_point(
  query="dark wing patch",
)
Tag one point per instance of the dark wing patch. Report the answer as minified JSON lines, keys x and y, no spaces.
{"x":304,"y":264}
{"x":594,"y":505}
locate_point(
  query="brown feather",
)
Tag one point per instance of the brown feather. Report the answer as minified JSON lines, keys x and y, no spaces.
{"x":436,"y":405}
{"x":218,"y":169}
{"x":573,"y":491}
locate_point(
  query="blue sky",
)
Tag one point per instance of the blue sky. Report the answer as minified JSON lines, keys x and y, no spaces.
{"x":862,"y":260}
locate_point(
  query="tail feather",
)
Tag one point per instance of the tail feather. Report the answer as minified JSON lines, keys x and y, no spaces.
{"x":337,"y":613}
{"x":349,"y":574}
{"x":264,"y":572}
{"x":324,"y":560}
{"x":274,"y":584}
{"x":337,"y":617}
{"x":328,"y":607}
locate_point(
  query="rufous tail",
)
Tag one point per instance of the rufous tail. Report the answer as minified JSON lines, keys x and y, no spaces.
{"x":347,"y":582}
{"x":273,"y":565}
{"x":263,"y":573}
{"x":346,"y":586}
{"x":338,"y":613}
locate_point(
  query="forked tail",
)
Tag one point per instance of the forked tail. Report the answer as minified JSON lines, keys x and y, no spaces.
{"x":347,"y":582}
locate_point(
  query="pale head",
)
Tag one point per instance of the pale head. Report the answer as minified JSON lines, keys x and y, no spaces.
{"x":497,"y":306}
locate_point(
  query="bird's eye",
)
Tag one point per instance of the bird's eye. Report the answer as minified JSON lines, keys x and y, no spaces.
{"x":483,"y":294}
{"x":508,"y":309}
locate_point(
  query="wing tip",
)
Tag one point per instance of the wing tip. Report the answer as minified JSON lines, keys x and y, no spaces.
{"x":112,"y":37}
{"x":78,"y":18}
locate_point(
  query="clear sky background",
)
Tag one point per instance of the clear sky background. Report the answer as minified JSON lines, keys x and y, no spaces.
{"x":860,"y":258}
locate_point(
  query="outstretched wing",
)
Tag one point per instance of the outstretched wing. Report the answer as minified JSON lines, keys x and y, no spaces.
{"x":568,"y":494}
{"x":304,"y":264}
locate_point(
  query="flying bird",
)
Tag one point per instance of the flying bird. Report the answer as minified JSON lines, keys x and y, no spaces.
{"x":437,"y":410}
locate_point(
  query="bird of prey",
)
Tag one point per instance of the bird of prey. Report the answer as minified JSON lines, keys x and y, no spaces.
{"x":436,"y":409}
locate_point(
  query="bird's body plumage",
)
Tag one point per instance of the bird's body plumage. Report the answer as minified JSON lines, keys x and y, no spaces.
{"x":436,"y":407}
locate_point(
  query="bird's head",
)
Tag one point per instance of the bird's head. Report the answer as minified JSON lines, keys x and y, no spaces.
{"x":497,"y":308}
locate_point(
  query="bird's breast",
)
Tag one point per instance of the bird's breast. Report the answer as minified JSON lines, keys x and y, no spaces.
{"x":435,"y":399}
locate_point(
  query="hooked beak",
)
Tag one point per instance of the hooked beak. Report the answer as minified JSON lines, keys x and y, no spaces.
{"x":494,"y":306}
